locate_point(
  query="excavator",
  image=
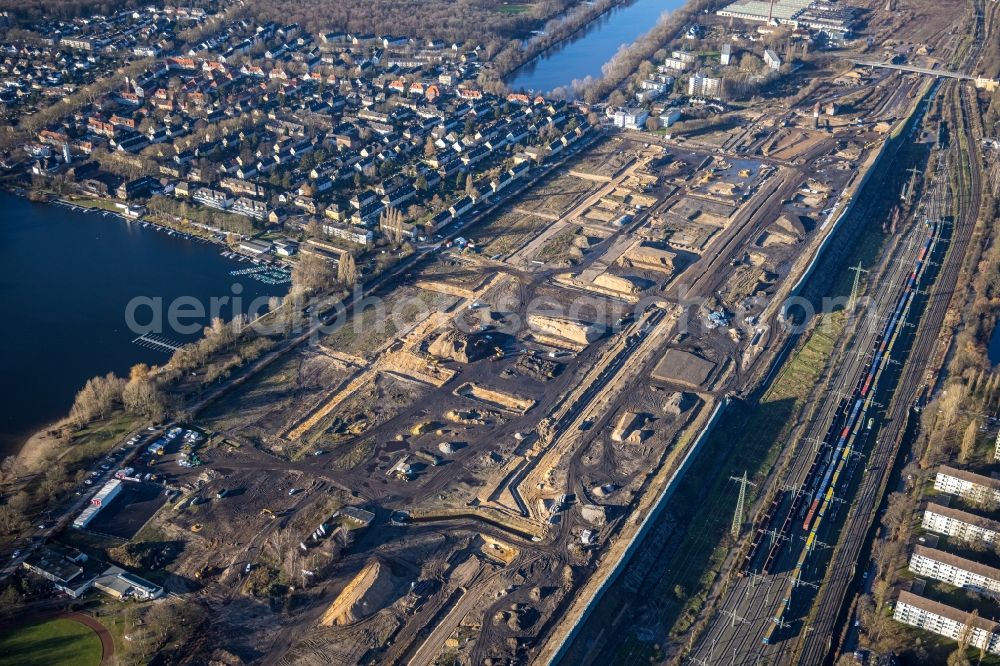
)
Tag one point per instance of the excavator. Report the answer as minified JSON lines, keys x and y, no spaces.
{"x":267,"y":512}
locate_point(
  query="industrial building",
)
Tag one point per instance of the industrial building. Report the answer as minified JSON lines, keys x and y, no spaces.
{"x":357,"y":516}
{"x":961,"y":524}
{"x":836,"y":21}
{"x":98,"y":502}
{"x":943,"y":620}
{"x":968,"y":485}
{"x":955,"y":570}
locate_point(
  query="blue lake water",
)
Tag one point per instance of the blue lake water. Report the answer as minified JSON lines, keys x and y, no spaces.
{"x":589,"y":49}
{"x":66,"y":279}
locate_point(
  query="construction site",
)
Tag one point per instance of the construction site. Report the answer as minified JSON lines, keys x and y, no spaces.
{"x":450,"y":473}
{"x":485,"y":462}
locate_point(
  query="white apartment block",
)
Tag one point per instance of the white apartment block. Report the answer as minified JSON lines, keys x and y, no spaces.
{"x":772,"y":59}
{"x":948,"y":621}
{"x":351,"y":233}
{"x":726,"y":57}
{"x":955,"y":570}
{"x":700,"y":85}
{"x":674,"y":64}
{"x":960,"y":524}
{"x":968,"y":485}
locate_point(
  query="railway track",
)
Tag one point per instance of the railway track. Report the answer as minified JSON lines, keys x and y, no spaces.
{"x":815,"y":641}
{"x":749,"y":611}
{"x":830,"y":602}
{"x":738,"y":635}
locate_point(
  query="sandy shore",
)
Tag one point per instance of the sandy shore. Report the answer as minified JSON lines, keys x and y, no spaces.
{"x":39,"y":448}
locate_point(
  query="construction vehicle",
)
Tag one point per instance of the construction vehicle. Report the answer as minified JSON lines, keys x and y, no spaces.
{"x":267,"y":512}
{"x":497,"y":354}
{"x":197,"y":527}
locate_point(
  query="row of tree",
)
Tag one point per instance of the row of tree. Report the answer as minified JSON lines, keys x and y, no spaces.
{"x":100,"y":396}
{"x":459,"y":21}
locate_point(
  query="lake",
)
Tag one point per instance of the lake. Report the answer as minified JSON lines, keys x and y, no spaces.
{"x":586,"y":51}
{"x":67,"y":278}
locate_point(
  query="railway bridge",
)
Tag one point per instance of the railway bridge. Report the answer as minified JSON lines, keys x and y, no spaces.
{"x":979,"y":81}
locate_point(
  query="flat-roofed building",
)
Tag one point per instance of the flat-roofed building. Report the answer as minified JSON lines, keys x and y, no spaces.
{"x":831,"y":18}
{"x":772,"y":59}
{"x":63,"y":566}
{"x":631,"y":118}
{"x":960,"y":524}
{"x":121,"y":584}
{"x":350,"y":233}
{"x":675,"y":64}
{"x":255,"y":247}
{"x":968,"y":485}
{"x":955,"y":570}
{"x":938,"y":618}
{"x":101,"y":499}
{"x":726,"y":57}
{"x":700,"y":85}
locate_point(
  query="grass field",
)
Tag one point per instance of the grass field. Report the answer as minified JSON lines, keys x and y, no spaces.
{"x":95,"y":439}
{"x":51,"y":643}
{"x":515,"y":8}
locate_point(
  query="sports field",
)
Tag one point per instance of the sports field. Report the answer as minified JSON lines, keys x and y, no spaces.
{"x":55,"y":642}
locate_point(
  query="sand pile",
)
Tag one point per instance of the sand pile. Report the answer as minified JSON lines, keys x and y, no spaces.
{"x":371,"y":590}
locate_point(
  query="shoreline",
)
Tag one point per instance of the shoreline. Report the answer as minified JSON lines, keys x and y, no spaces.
{"x":30,"y":446}
{"x":565,"y":41}
{"x":35,"y":447}
{"x":209,"y":235}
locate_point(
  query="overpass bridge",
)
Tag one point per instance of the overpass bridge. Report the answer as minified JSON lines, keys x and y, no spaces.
{"x":980,"y":82}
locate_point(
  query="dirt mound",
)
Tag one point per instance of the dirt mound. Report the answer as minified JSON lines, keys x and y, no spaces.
{"x":580,"y":332}
{"x":678,"y":402}
{"x":461,"y":347}
{"x":648,"y":256}
{"x":617,"y":283}
{"x":414,"y":367}
{"x":629,"y":427}
{"x":494,"y":397}
{"x":371,"y":590}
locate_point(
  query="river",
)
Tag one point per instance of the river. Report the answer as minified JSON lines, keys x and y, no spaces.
{"x":66,"y":280}
{"x":586,"y":51}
